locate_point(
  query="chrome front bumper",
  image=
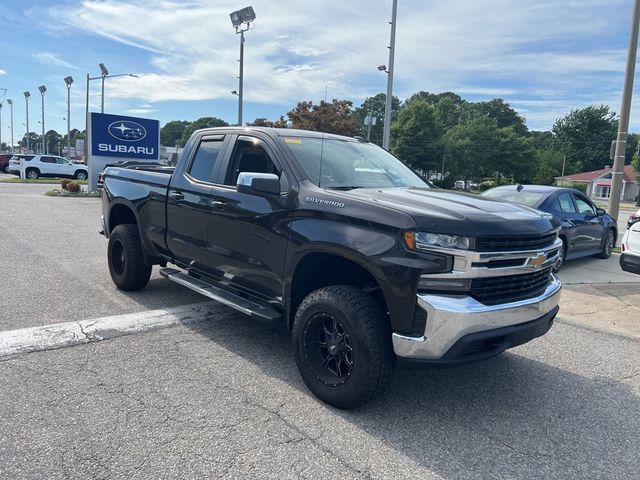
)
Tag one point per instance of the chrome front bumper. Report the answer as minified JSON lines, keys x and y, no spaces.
{"x":451,"y":318}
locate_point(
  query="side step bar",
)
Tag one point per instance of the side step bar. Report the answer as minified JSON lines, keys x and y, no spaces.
{"x":253,"y":307}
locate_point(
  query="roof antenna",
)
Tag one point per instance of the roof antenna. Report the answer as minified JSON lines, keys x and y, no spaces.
{"x":519,"y":187}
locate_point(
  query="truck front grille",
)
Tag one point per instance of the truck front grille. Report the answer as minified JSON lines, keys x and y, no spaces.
{"x":495,"y":290}
{"x":513,"y":244}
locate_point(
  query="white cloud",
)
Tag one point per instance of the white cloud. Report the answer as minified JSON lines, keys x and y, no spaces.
{"x":2,"y":72}
{"x":533,"y":49}
{"x":140,"y":111}
{"x":52,"y":59}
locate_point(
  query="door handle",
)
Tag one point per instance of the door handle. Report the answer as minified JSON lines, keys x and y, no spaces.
{"x":177,"y":195}
{"x":217,"y":204}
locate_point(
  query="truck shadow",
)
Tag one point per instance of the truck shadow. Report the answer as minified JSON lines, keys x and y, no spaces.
{"x":506,"y":417}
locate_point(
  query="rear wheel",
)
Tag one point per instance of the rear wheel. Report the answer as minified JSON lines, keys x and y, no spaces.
{"x":126,"y":266}
{"x":607,"y":244}
{"x":81,"y":175}
{"x":343,"y":350}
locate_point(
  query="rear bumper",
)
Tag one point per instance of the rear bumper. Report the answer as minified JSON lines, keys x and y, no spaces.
{"x":630,"y":263}
{"x":460,"y":330}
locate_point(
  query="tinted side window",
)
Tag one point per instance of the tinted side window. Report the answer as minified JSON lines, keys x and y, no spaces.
{"x":565,"y":204}
{"x":584,"y":206}
{"x":205,"y":160}
{"x":47,"y":160}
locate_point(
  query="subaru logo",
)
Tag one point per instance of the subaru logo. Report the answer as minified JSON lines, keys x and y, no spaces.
{"x":127,"y":131}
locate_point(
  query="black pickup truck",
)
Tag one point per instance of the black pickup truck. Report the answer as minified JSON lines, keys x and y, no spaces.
{"x":337,"y":239}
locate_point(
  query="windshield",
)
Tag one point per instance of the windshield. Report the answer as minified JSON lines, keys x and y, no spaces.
{"x":530,"y":199}
{"x":347,"y":165}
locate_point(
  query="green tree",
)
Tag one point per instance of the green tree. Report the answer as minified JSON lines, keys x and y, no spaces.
{"x":515,"y":156}
{"x":263,"y":122}
{"x":335,"y":117}
{"x":585,"y":136}
{"x":377,"y":106}
{"x":203,"y":122}
{"x":172,"y":132}
{"x":415,"y":139}
{"x":472,"y":147}
{"x":52,"y":138}
{"x":501,"y":112}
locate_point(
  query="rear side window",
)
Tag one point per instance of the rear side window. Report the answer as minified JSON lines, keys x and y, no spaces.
{"x":205,"y":160}
{"x":564,"y":203}
{"x":47,"y":159}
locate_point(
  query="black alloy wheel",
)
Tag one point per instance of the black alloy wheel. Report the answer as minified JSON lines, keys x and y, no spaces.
{"x":332,"y":360}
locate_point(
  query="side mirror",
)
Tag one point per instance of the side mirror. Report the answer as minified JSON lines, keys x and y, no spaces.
{"x":600,"y":212}
{"x":249,"y":182}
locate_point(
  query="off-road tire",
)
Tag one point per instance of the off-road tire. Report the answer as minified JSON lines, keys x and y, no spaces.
{"x":365,"y":324}
{"x":126,"y":264}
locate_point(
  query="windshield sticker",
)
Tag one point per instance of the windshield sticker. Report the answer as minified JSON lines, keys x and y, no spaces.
{"x":329,"y":203}
{"x":295,"y":141}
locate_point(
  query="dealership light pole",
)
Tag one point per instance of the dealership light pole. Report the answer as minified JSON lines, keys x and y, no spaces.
{"x":386,"y":136}
{"x":43,"y":89}
{"x":10,"y":102}
{"x":625,"y":110}
{"x":26,"y":101}
{"x":241,"y":20}
{"x":68,"y":81}
{"x":105,"y":74}
{"x":0,"y":126}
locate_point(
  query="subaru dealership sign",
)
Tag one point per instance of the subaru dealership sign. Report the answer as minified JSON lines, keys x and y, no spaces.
{"x":124,"y":137}
{"x":115,"y":138}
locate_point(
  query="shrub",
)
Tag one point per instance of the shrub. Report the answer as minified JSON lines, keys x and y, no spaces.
{"x":73,"y":187}
{"x":64,"y":182}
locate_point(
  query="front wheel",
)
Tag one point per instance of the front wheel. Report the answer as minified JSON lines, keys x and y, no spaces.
{"x":342,"y":343}
{"x":126,"y":265}
{"x":607,"y":244}
{"x":33,"y":174}
{"x":81,"y":175}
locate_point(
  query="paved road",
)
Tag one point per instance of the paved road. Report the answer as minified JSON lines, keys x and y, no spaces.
{"x":222,"y":397}
{"x":53,"y":263}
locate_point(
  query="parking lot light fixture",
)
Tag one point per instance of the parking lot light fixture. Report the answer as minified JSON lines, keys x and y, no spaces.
{"x":10,"y":102}
{"x":42,"y":90}
{"x":68,"y":81}
{"x":104,"y":74}
{"x":241,"y":21}
{"x":26,"y":101}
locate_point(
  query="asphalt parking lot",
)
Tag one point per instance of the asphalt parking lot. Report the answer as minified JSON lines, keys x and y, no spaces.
{"x":219,"y":395}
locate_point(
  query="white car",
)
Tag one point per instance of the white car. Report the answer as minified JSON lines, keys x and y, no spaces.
{"x":47,"y":166}
{"x":630,"y":247}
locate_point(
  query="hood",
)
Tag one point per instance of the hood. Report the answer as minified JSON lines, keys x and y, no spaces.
{"x":443,"y":211}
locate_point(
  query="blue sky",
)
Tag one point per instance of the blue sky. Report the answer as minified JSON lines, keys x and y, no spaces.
{"x":543,"y":57}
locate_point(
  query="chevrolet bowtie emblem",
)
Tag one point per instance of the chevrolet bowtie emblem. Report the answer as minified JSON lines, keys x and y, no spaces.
{"x":537,"y":261}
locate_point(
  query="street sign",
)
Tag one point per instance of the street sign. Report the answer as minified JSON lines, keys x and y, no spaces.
{"x":124,"y":137}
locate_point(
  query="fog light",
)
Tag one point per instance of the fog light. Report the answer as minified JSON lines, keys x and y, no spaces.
{"x":444,"y":284}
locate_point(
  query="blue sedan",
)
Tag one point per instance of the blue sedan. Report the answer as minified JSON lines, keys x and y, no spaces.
{"x":586,"y":230}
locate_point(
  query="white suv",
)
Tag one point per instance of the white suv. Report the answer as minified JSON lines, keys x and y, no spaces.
{"x":630,"y":246}
{"x":48,"y":166}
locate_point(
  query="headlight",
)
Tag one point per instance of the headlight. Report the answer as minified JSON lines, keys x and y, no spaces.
{"x":425,"y":241}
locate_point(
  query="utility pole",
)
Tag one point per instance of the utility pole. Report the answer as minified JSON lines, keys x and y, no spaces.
{"x":625,"y":109}
{"x":241,"y":79}
{"x":370,"y":122}
{"x":386,"y":136}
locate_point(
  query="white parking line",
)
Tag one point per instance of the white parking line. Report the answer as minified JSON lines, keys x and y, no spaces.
{"x":60,"y":335}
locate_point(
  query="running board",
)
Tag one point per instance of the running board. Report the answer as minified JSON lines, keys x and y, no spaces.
{"x":253,"y":307}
